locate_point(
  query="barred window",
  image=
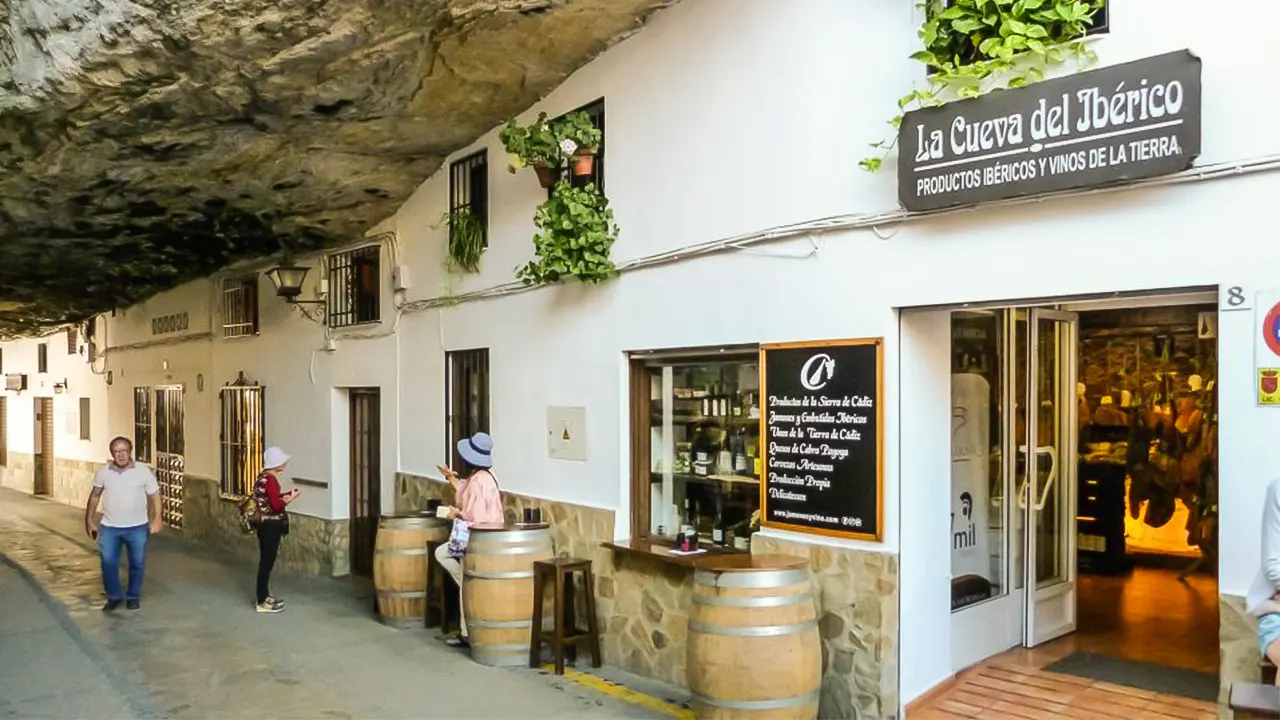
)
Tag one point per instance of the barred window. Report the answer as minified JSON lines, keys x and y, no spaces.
{"x":142,"y":424}
{"x":240,"y":307}
{"x":595,"y":111}
{"x":467,"y":403}
{"x":42,"y":358}
{"x":354,"y":287}
{"x":469,"y":190}
{"x":73,"y":341}
{"x":242,"y":437}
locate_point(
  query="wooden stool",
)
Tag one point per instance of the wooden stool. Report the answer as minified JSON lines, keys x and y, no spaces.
{"x":567,"y":635}
{"x":1250,"y":701}
{"x":442,"y":591}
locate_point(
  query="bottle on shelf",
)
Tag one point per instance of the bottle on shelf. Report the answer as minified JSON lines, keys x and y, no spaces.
{"x":724,"y":461}
{"x":717,"y":527}
{"x":686,"y":524}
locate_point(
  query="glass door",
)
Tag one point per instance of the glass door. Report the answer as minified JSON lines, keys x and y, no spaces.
{"x":1048,"y":482}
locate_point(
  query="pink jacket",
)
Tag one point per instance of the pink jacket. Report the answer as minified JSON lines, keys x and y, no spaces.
{"x":479,"y":501}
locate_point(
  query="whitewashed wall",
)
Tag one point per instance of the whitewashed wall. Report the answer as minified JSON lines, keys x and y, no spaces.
{"x":20,"y":357}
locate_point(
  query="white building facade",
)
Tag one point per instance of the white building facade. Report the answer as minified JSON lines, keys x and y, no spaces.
{"x":732,"y":136}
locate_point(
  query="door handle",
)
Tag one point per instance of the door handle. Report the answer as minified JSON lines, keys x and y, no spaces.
{"x":1052,"y":452}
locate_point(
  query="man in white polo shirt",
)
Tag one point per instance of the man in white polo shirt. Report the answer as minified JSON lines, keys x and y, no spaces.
{"x":130,"y":514}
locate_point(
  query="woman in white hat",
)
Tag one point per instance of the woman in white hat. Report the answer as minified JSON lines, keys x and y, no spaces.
{"x":274,"y":523}
{"x":479,"y":502}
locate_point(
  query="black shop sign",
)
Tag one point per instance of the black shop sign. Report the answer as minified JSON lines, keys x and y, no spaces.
{"x":1113,"y":125}
{"x":823,"y":438}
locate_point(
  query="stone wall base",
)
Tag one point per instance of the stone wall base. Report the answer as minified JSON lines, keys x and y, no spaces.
{"x":857,"y":593}
{"x":1238,"y":648}
{"x":18,"y":472}
{"x":314,"y":546}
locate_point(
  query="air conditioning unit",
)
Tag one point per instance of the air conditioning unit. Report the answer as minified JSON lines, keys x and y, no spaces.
{"x":15,"y":382}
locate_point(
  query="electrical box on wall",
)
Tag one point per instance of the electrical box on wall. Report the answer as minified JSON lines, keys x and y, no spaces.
{"x":14,"y":382}
{"x":400,"y":278}
{"x":567,"y":433}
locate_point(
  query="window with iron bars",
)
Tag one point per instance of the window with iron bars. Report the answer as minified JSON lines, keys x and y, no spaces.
{"x":469,"y":190}
{"x":86,"y":419}
{"x":595,"y":111}
{"x":142,"y":424}
{"x":355,"y":290}
{"x":73,"y":341}
{"x":240,"y":307}
{"x":241,"y":438}
{"x":42,"y":358}
{"x":467,"y":401}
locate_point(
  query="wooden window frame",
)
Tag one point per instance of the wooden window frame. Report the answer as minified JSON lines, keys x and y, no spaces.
{"x":640,"y":419}
{"x":459,"y":423}
{"x":73,"y":341}
{"x":469,"y":189}
{"x":143,"y":425}
{"x":351,"y":301}
{"x":42,"y":358}
{"x":240,"y":307}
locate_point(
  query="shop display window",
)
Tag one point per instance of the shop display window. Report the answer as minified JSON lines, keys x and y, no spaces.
{"x":696,"y":450}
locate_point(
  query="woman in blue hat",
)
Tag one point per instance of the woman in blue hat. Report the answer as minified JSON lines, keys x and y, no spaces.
{"x":479,"y":502}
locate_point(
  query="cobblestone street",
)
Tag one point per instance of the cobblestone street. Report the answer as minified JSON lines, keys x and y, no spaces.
{"x":197,"y":649}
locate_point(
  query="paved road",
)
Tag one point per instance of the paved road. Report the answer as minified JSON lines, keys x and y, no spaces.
{"x":197,"y":649}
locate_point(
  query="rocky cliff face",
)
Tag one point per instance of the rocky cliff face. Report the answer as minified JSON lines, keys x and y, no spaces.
{"x":146,"y":143}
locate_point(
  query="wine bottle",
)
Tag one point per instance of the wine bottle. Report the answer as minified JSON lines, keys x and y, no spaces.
{"x":686,"y":525}
{"x":717,"y":527}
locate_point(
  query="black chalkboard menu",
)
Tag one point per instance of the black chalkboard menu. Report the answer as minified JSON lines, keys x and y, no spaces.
{"x":821,"y":437}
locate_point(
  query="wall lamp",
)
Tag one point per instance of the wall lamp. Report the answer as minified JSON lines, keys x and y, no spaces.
{"x":60,"y":388}
{"x":288,"y":279}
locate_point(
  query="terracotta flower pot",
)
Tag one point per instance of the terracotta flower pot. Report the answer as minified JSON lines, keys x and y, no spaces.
{"x":584,"y":163}
{"x":546,"y":176}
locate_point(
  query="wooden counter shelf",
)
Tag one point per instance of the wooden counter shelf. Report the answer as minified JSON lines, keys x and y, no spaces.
{"x":716,"y":559}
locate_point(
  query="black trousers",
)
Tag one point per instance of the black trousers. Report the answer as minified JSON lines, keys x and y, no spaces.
{"x":269,"y":534}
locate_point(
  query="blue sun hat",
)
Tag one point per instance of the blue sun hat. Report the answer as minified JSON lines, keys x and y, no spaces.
{"x":477,"y":450}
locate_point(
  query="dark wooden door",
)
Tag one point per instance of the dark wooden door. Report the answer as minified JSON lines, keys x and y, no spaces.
{"x":170,"y":452}
{"x":366,"y":471}
{"x":43,"y":481}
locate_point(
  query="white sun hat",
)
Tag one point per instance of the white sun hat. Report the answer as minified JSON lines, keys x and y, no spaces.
{"x":273,"y":458}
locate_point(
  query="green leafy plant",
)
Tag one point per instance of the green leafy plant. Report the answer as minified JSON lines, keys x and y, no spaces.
{"x":577,"y":128}
{"x":549,"y":142}
{"x":575,"y":238}
{"x":466,"y":241}
{"x":975,"y":46}
{"x":533,"y":144}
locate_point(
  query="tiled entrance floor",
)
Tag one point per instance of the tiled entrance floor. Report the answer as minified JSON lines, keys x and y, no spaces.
{"x":1014,"y":687}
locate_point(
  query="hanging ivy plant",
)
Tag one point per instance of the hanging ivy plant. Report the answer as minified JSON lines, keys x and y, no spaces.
{"x":972,"y":47}
{"x":576,"y":237}
{"x":466,"y":241}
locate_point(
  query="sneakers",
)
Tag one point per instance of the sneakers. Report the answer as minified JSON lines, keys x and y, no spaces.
{"x":270,"y":605}
{"x":112,"y":605}
{"x":133,"y":604}
{"x":272,"y":600}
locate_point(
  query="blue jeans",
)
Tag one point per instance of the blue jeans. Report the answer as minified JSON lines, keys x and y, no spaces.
{"x":134,"y":539}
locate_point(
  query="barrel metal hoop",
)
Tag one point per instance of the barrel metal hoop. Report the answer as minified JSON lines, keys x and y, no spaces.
{"x":499,"y":656}
{"x":790,"y":702}
{"x":751,"y":580}
{"x":506,"y":537}
{"x":753,"y":630}
{"x":400,"y":551}
{"x":771,"y":601}
{"x":508,"y":549}
{"x":402,"y":594}
{"x":497,"y":576}
{"x":547,"y":621}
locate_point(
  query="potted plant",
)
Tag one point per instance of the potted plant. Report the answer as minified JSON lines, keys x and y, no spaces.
{"x":466,"y":241}
{"x":575,"y":238}
{"x":579,"y":140}
{"x":534,"y":145}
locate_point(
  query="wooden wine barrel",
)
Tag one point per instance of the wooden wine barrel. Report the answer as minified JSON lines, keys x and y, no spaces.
{"x":497,"y":591}
{"x":754,"y":650}
{"x":400,"y":567}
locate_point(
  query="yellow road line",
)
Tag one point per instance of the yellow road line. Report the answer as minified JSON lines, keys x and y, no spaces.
{"x":624,"y":693}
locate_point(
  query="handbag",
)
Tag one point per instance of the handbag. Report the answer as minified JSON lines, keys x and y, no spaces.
{"x":459,"y":536}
